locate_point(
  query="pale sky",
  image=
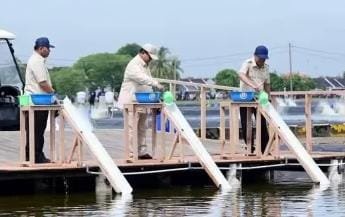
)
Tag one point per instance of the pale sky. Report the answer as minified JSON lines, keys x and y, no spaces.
{"x":207,"y":36}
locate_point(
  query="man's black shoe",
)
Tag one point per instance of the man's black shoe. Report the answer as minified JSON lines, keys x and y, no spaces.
{"x":145,"y":157}
{"x":42,"y":159}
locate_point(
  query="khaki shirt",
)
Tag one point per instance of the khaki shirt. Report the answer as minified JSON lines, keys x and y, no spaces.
{"x":137,"y":78}
{"x":259,"y":75}
{"x":36,"y":72}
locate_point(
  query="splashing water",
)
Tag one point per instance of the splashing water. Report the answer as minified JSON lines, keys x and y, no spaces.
{"x":325,"y":108}
{"x":290,"y":102}
{"x":280,"y":102}
{"x":339,"y":108}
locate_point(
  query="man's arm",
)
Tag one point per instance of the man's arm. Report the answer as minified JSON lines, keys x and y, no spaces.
{"x":46,"y":87}
{"x":243,"y":74}
{"x":249,"y":81}
{"x":135,"y":74}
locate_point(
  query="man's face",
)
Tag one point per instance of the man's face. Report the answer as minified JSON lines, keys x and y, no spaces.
{"x":44,"y":51}
{"x":260,"y":61}
{"x":146,"y":57}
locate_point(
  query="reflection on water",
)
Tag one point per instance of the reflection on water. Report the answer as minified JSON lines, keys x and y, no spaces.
{"x":297,"y":199}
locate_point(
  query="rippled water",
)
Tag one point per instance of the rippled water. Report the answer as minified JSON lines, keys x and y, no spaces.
{"x":293,"y":199}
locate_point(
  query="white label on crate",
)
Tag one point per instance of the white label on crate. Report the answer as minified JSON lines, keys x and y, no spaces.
{"x":152,"y":97}
{"x":243,"y":95}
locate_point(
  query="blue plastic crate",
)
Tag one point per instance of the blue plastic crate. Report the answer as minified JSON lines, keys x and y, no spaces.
{"x":239,"y":96}
{"x":147,"y":97}
{"x":42,"y":99}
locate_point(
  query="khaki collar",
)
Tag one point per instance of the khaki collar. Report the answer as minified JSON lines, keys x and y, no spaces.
{"x":141,"y":61}
{"x":254,"y":64}
{"x":37,"y":55}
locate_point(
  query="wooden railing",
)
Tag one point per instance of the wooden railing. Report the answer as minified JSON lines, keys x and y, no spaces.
{"x":308,"y":95}
{"x":203,"y":102}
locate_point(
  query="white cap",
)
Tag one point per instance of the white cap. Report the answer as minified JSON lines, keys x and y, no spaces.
{"x":152,"y":50}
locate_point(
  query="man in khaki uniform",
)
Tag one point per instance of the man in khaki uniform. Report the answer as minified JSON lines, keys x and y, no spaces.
{"x":137,"y":77}
{"x":37,"y":81}
{"x":254,"y":76}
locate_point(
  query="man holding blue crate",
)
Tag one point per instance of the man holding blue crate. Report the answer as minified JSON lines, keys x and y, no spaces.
{"x":254,"y":76}
{"x":137,"y":78}
{"x":37,"y":81}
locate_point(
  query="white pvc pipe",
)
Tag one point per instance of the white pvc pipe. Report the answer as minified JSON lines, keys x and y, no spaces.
{"x":295,"y":146}
{"x":174,"y":115}
{"x":106,"y":163}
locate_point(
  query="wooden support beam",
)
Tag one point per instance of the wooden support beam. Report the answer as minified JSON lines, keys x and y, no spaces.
{"x":126,"y":132}
{"x":249,"y":131}
{"x":234,"y":126}
{"x":80,"y":151}
{"x":162,"y":146}
{"x":153,"y":132}
{"x":308,"y":123}
{"x":258,"y":133}
{"x":135,"y":134}
{"x":222,"y":130}
{"x":62,"y":139}
{"x":181,"y":143}
{"x":31,"y":136}
{"x":74,"y":147}
{"x":28,"y":113}
{"x":203,"y":106}
{"x":271,"y":143}
{"x":132,"y":113}
{"x":173,"y":148}
{"x":277,"y":145}
{"x":22,"y":157}
{"x":52,"y":136}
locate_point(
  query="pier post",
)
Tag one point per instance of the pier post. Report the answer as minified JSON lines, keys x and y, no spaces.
{"x":231,"y":176}
{"x":335,"y":171}
{"x":203,"y":113}
{"x":308,"y":123}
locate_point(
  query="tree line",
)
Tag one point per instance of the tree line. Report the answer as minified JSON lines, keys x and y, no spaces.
{"x":107,"y":69}
{"x":300,"y":82}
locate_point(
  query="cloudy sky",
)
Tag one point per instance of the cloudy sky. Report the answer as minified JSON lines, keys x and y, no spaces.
{"x":207,"y":36}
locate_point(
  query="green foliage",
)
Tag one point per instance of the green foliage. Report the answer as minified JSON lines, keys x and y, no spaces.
{"x":68,"y":81}
{"x":107,"y":69}
{"x":103,"y":69}
{"x":300,"y":82}
{"x":129,"y":49}
{"x":277,"y":82}
{"x":166,"y":66}
{"x":227,"y":77}
{"x":57,"y":69}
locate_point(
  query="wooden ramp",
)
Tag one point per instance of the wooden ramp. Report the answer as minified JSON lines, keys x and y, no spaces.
{"x":106,"y":163}
{"x":176,"y":117}
{"x":294,"y":144}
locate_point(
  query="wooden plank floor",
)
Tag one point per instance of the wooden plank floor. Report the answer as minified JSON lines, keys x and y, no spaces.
{"x":113,"y":143}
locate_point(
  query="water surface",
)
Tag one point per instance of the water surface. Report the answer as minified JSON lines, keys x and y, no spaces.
{"x":279,"y":199}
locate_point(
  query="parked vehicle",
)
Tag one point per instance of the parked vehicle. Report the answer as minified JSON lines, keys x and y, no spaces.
{"x":11,"y":83}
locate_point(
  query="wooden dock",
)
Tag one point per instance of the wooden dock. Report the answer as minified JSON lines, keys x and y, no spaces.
{"x":173,"y":156}
{"x":12,"y":169}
